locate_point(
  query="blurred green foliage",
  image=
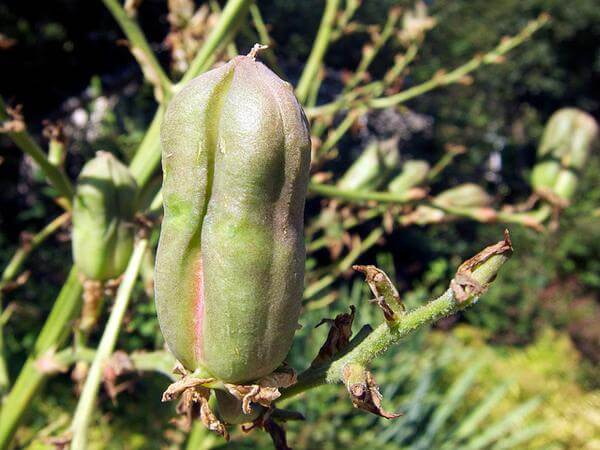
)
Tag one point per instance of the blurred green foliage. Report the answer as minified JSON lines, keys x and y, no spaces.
{"x":542,"y":317}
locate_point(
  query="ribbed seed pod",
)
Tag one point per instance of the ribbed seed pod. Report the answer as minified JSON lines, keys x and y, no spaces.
{"x":466,"y":195}
{"x":103,"y":211}
{"x":563,"y":152}
{"x":372,"y":168}
{"x":414,"y":172}
{"x":230,"y":263}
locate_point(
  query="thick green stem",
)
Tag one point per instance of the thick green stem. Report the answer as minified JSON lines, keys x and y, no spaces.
{"x":147,"y":156}
{"x":52,"y":336}
{"x":140,"y":48}
{"x":384,"y":336}
{"x":87,"y":399}
{"x":315,"y":59}
{"x":55,"y":175}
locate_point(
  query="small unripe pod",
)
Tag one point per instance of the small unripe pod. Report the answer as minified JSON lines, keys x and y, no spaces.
{"x":466,"y":195}
{"x":414,"y":172}
{"x":563,"y":151}
{"x":230,"y":409}
{"x":103,"y":211}
{"x":372,"y":168}
{"x":230,"y":261}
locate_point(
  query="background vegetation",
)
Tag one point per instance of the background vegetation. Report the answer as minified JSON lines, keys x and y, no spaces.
{"x":520,"y":370}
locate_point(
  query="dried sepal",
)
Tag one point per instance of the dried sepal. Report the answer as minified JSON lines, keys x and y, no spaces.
{"x":338,"y":337}
{"x":92,"y":302}
{"x":464,"y":285}
{"x":364,"y":391}
{"x":264,"y":392}
{"x":194,"y":404}
{"x":16,"y":123}
{"x":386,"y":294}
{"x":267,"y":422}
{"x":48,"y":364}
{"x":277,"y":433}
{"x":118,"y":365}
{"x":179,"y":387}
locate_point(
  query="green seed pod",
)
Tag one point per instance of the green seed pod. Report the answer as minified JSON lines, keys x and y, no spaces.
{"x":414,"y":172}
{"x":563,"y":151}
{"x":230,"y":261}
{"x":466,"y":195}
{"x":103,"y":211}
{"x":230,"y":409}
{"x":372,"y":168}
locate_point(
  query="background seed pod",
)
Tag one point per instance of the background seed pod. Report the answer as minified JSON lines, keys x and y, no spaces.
{"x":103,"y":211}
{"x":373,"y":167}
{"x":230,"y":262}
{"x":468,"y":195}
{"x":414,"y":172}
{"x":563,"y":151}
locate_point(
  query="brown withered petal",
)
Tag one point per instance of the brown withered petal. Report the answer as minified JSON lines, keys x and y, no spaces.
{"x":264,"y":392}
{"x":337,"y":338}
{"x":464,"y":285}
{"x":180,"y":386}
{"x":365,"y":395}
{"x":386,"y":294}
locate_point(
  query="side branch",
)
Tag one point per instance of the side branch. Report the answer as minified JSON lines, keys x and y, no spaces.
{"x":492,"y":57}
{"x":25,"y":142}
{"x":480,"y":270}
{"x":140,"y":49}
{"x":319,"y":48}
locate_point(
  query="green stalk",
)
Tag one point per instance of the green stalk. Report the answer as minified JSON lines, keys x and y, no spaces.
{"x":10,"y":272}
{"x":356,"y":196}
{"x":84,"y":409}
{"x":457,"y":74}
{"x":367,"y":58}
{"x":201,"y":438}
{"x":386,"y":335}
{"x":229,"y":21}
{"x":265,"y":39}
{"x":343,"y":265}
{"x":137,"y":40}
{"x":52,"y":336}
{"x":147,"y":156}
{"x":319,"y":48}
{"x":55,"y":175}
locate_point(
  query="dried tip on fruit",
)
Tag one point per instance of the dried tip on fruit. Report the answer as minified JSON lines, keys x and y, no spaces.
{"x":474,"y":275}
{"x":257,"y":48}
{"x":386,"y":294}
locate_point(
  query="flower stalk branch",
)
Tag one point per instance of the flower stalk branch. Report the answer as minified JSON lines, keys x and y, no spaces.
{"x":384,"y":336}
